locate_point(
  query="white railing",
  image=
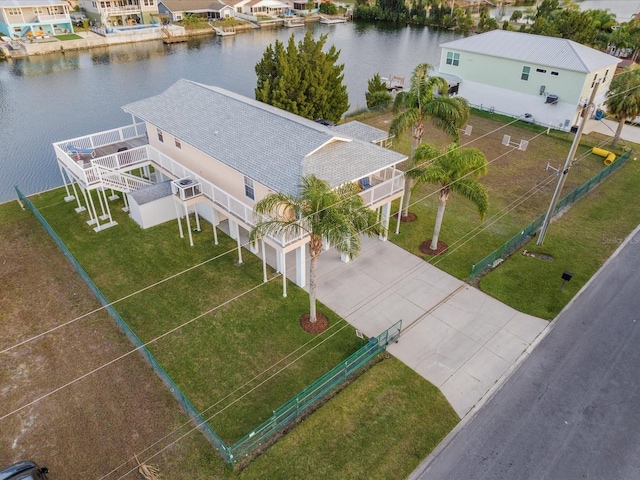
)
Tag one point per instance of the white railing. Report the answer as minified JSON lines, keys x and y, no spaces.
{"x":106,"y":138}
{"x":105,"y":169}
{"x":121,"y":181}
{"x":62,"y":17}
{"x":121,"y":160}
{"x":392,"y":182}
{"x":123,"y":10}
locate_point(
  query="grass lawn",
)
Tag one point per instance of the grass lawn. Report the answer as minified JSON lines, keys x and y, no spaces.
{"x":580,"y":241}
{"x":68,"y":36}
{"x":381,"y":426}
{"x":519,"y":191}
{"x":234,"y":345}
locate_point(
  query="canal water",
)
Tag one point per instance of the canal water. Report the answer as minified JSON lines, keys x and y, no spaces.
{"x":54,"y":97}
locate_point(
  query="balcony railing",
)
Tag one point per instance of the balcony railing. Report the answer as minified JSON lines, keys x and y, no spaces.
{"x":123,"y":10}
{"x":384,"y":184}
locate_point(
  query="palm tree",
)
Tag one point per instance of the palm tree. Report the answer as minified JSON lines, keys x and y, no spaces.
{"x":455,"y":170}
{"x":414,"y":106}
{"x":337,"y":215}
{"x":623,"y":99}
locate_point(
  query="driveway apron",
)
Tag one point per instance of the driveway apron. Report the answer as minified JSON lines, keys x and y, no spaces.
{"x":460,"y":339}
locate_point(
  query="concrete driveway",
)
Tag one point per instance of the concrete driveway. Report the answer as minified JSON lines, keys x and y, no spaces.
{"x":460,"y":339}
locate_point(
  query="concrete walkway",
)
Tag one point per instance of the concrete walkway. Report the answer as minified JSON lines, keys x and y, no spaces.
{"x":460,"y":339}
{"x":608,"y":128}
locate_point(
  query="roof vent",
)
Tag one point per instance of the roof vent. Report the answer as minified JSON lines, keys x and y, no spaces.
{"x":552,"y":99}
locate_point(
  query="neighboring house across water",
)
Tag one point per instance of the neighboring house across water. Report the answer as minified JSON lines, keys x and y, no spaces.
{"x":207,"y":9}
{"x":120,"y":12}
{"x":34,"y":18}
{"x":259,"y":7}
{"x":517,"y":73}
{"x":221,"y":153}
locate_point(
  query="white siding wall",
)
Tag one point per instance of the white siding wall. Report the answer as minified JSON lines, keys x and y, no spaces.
{"x":496,"y":82}
{"x":516,"y":104}
{"x":152,"y":213}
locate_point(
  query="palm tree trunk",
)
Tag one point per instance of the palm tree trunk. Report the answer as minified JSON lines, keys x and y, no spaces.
{"x":616,"y":137}
{"x":408,"y":182}
{"x":442,"y":203}
{"x":315,"y":248}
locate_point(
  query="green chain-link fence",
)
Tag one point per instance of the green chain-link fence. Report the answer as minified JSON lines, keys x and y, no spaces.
{"x":182,"y":399}
{"x":514,"y":243}
{"x":283,"y":416}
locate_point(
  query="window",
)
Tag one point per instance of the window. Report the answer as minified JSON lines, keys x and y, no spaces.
{"x":160,"y":135}
{"x":555,"y":74}
{"x":13,"y":11}
{"x":178,"y":144}
{"x":453,"y":59}
{"x":595,"y":77}
{"x":541,"y":70}
{"x":525,"y":73}
{"x":248,"y":188}
{"x":148,"y":3}
{"x":605,"y":76}
{"x":38,"y":10}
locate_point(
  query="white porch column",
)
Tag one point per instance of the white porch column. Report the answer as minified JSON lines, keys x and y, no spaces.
{"x":104,"y":215}
{"x":104,"y":193}
{"x":186,"y":214}
{"x":239,"y":245}
{"x":93,"y":208}
{"x":69,"y":197}
{"x":215,"y":221}
{"x":195,"y":208}
{"x":113,"y":195}
{"x":91,"y":221}
{"x":126,"y":202}
{"x":283,"y":261}
{"x":264,"y":262}
{"x":80,"y":208}
{"x":384,"y":221}
{"x":301,"y":266}
{"x":399,"y":216}
{"x":179,"y":218}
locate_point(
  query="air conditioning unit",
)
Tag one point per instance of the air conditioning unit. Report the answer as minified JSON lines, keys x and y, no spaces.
{"x":552,"y":99}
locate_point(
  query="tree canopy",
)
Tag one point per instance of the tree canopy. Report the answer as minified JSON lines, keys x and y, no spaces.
{"x":303,"y":79}
{"x":338,"y":216}
{"x":623,"y":98}
{"x":377,"y":94}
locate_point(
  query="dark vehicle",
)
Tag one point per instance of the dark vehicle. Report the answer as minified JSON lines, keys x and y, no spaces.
{"x":24,"y":471}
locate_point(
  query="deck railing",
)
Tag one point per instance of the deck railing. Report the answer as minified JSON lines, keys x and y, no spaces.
{"x":386,"y":182}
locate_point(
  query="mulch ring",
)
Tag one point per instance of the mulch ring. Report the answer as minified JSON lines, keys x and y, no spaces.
{"x":319,"y":326}
{"x":408,"y":218}
{"x":425,"y":247}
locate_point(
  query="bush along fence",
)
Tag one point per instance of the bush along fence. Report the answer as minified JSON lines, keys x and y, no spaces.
{"x":496,"y":257}
{"x":283,"y":417}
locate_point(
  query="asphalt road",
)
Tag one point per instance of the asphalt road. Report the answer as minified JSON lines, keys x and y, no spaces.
{"x":572,"y":409}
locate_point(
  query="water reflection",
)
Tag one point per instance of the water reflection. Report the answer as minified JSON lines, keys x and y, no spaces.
{"x":77,"y":93}
{"x":42,"y":65}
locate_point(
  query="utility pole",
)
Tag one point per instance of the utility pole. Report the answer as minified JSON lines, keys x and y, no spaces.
{"x":565,"y":169}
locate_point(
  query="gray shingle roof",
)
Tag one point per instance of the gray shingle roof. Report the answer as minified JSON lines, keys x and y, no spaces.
{"x":536,"y":49}
{"x":361,"y":131}
{"x":193,"y":5}
{"x":269,"y":145}
{"x":152,"y":192}
{"x":31,"y":3}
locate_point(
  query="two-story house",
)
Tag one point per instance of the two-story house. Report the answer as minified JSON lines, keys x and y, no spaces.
{"x":515,"y":73}
{"x":207,"y":152}
{"x":120,"y":12}
{"x":34,"y":18}
{"x":205,"y":9}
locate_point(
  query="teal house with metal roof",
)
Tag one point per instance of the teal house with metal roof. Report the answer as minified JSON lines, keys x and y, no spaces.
{"x":514,"y":73}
